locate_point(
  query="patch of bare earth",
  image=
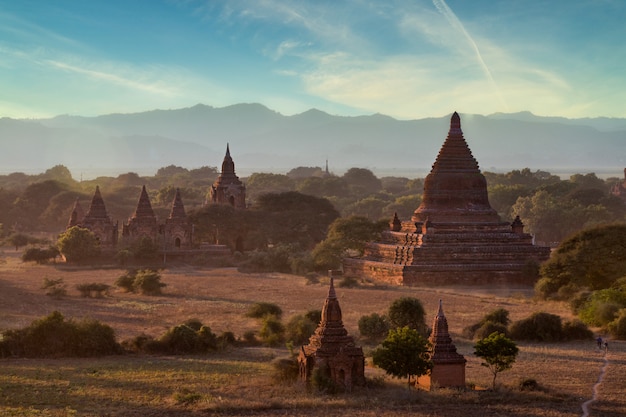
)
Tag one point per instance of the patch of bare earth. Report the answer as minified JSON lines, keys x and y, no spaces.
{"x":220,"y":298}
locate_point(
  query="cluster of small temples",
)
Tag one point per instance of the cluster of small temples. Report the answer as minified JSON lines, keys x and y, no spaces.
{"x":333,"y":352}
{"x":454,"y":236}
{"x":175,"y":233}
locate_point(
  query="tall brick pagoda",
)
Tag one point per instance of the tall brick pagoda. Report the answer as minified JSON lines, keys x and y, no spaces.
{"x":143,"y":222}
{"x":454,"y":236}
{"x":332,"y":350}
{"x":448,"y":365}
{"x":227,"y":188}
{"x":98,"y":221}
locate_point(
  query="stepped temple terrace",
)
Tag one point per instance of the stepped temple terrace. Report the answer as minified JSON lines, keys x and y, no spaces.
{"x":454,"y":236}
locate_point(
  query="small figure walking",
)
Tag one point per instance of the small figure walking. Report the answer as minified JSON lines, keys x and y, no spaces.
{"x":606,"y":347}
{"x":599,"y":342}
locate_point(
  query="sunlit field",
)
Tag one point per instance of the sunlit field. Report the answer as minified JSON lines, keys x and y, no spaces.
{"x":239,"y":381}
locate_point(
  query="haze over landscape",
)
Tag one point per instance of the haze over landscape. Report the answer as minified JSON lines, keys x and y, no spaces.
{"x":107,"y":66}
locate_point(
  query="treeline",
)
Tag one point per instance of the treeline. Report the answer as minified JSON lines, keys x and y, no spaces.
{"x":551,"y":208}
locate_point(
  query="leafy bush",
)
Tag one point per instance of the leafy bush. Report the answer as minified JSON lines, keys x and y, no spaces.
{"x":314,"y":315}
{"x":53,"y":336}
{"x":601,"y":306}
{"x":576,"y":330}
{"x":144,"y":281}
{"x":272,"y":332}
{"x":299,"y":329}
{"x":262,"y":309}
{"x":499,"y":315}
{"x":539,"y":327}
{"x":275,"y":259}
{"x":93,"y":290}
{"x":495,"y":321}
{"x":488,"y":328}
{"x":407,"y":311}
{"x":285,"y":370}
{"x":617,"y":327}
{"x":39,"y":255}
{"x":322,"y":382}
{"x":148,"y":282}
{"x":529,"y":384}
{"x":126,"y":281}
{"x":191,"y":337}
{"x":55,"y":288}
{"x":373,"y":326}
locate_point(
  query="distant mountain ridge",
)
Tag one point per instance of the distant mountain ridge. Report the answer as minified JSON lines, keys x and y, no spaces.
{"x":263,"y":140}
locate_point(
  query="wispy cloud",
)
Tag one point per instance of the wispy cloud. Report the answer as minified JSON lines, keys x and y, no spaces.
{"x":456,"y":23}
{"x":154,"y":87}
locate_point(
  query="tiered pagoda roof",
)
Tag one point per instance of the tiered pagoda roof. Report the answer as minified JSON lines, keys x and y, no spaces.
{"x":443,"y":350}
{"x":454,"y":236}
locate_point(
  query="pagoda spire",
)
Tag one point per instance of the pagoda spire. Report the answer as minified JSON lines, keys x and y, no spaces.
{"x":228,"y":166}
{"x":77,"y":214}
{"x":455,"y":190}
{"x":178,"y":209}
{"x":442,"y":347}
{"x":144,"y":208}
{"x":331,"y":312}
{"x":97,"y":209}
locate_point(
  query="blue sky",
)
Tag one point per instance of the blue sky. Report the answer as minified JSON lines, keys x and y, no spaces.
{"x":407,"y":59}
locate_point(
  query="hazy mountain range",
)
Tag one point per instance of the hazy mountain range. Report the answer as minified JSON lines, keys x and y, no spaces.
{"x":262,"y":140}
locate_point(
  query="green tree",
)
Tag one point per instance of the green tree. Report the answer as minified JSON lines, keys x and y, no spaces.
{"x":594,"y":258}
{"x":18,"y":240}
{"x":258,"y":184}
{"x":403,"y":353}
{"x":407,"y":312}
{"x":498,"y":353}
{"x":346,"y":236}
{"x":370,"y":207}
{"x":293,"y":217}
{"x":374,"y":326}
{"x":78,"y":244}
{"x":362,"y":182}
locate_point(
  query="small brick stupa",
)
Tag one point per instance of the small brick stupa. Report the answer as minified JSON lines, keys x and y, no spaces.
{"x":227,"y":188}
{"x":332,"y":350}
{"x":454,"y":236}
{"x":178,"y":229}
{"x":143,"y":223}
{"x":98,"y":221}
{"x":448,"y":366}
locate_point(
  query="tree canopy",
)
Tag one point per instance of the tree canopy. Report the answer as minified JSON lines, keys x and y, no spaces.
{"x":78,"y":244}
{"x":498,"y":353}
{"x":593,"y":258}
{"x":404,"y":353}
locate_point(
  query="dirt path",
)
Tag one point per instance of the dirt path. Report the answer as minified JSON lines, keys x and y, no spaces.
{"x":596,"y":386}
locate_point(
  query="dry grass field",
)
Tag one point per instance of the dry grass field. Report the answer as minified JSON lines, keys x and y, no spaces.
{"x":238,"y":381}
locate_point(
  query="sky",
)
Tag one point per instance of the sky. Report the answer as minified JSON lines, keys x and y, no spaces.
{"x":408,"y":59}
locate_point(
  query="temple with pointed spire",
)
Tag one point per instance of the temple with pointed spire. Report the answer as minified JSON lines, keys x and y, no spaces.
{"x":454,"y":236}
{"x":332,"y":350}
{"x":448,"y":365}
{"x":227,"y":188}
{"x":76,"y":215}
{"x":143,"y":223}
{"x":178,"y":230}
{"x":97,"y":220}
